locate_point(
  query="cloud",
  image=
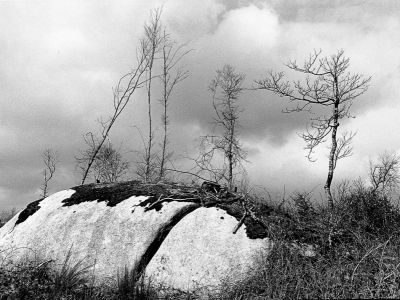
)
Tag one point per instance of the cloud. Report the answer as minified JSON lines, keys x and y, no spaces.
{"x":255,"y":39}
{"x":247,"y":30}
{"x":190,"y":19}
{"x":60,"y":60}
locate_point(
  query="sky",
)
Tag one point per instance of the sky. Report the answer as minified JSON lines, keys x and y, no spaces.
{"x":60,"y":59}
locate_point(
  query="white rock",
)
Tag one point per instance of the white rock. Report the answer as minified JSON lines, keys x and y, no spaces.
{"x":200,"y":251}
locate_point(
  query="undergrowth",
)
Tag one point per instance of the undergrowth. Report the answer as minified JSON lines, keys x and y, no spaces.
{"x":356,"y":251}
{"x":356,"y":254}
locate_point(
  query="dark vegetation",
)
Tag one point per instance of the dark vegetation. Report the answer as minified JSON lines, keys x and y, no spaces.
{"x":355,"y":246}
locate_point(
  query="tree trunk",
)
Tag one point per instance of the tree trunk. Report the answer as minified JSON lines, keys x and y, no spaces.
{"x":98,"y":147}
{"x":164,"y":147}
{"x":230,"y":178}
{"x":165,"y":119}
{"x":230,"y":156}
{"x":331,"y":169}
{"x":150,"y":141}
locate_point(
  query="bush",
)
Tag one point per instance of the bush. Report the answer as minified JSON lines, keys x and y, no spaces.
{"x":286,"y":274}
{"x":28,"y":280}
{"x":357,"y":253}
{"x":369,"y":212}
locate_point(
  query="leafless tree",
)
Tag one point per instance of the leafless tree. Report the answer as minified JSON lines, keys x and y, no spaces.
{"x":172,"y":53}
{"x":384,"y":173}
{"x":153,"y":40}
{"x":50,"y":159}
{"x":108,"y":165}
{"x":226,"y":88}
{"x":328,"y":85}
{"x":125,"y":88}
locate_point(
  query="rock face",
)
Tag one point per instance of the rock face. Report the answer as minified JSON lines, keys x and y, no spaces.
{"x":180,"y":242}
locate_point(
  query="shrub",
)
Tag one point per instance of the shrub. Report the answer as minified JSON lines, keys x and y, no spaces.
{"x":29,"y":280}
{"x":369,"y":212}
{"x":357,"y":251}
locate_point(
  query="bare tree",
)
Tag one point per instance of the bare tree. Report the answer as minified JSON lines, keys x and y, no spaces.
{"x":122,"y":94}
{"x":50,"y":159}
{"x":384,"y":173}
{"x":153,"y":39}
{"x":172,"y":53}
{"x":108,"y":165}
{"x":330,"y":86}
{"x":225,"y":88}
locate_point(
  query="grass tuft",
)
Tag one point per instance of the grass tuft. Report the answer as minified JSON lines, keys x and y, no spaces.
{"x":70,"y":277}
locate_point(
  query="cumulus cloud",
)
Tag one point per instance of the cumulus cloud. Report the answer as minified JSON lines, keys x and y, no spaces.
{"x":191,"y":19}
{"x":247,"y":30}
{"x":60,"y":60}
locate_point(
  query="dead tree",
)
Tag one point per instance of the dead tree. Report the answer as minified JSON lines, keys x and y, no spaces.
{"x":153,"y":40}
{"x":50,"y":162}
{"x":122,"y":94}
{"x":172,"y":54}
{"x":384,"y":173}
{"x":328,"y":85}
{"x":226,"y":88}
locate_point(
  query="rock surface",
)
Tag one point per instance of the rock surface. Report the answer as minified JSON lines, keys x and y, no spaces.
{"x":183,"y":244}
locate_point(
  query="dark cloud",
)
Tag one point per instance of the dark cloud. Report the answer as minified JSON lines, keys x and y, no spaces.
{"x":327,"y":11}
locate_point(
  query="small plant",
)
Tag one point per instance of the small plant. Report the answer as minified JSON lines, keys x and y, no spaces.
{"x":69,"y":277}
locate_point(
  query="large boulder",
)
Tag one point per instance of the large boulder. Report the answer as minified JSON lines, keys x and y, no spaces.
{"x":168,"y":231}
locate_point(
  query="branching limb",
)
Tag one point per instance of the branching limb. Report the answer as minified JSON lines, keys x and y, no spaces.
{"x":384,"y":173}
{"x":344,"y":148}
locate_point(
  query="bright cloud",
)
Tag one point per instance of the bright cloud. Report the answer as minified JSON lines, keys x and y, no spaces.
{"x":192,"y":18}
